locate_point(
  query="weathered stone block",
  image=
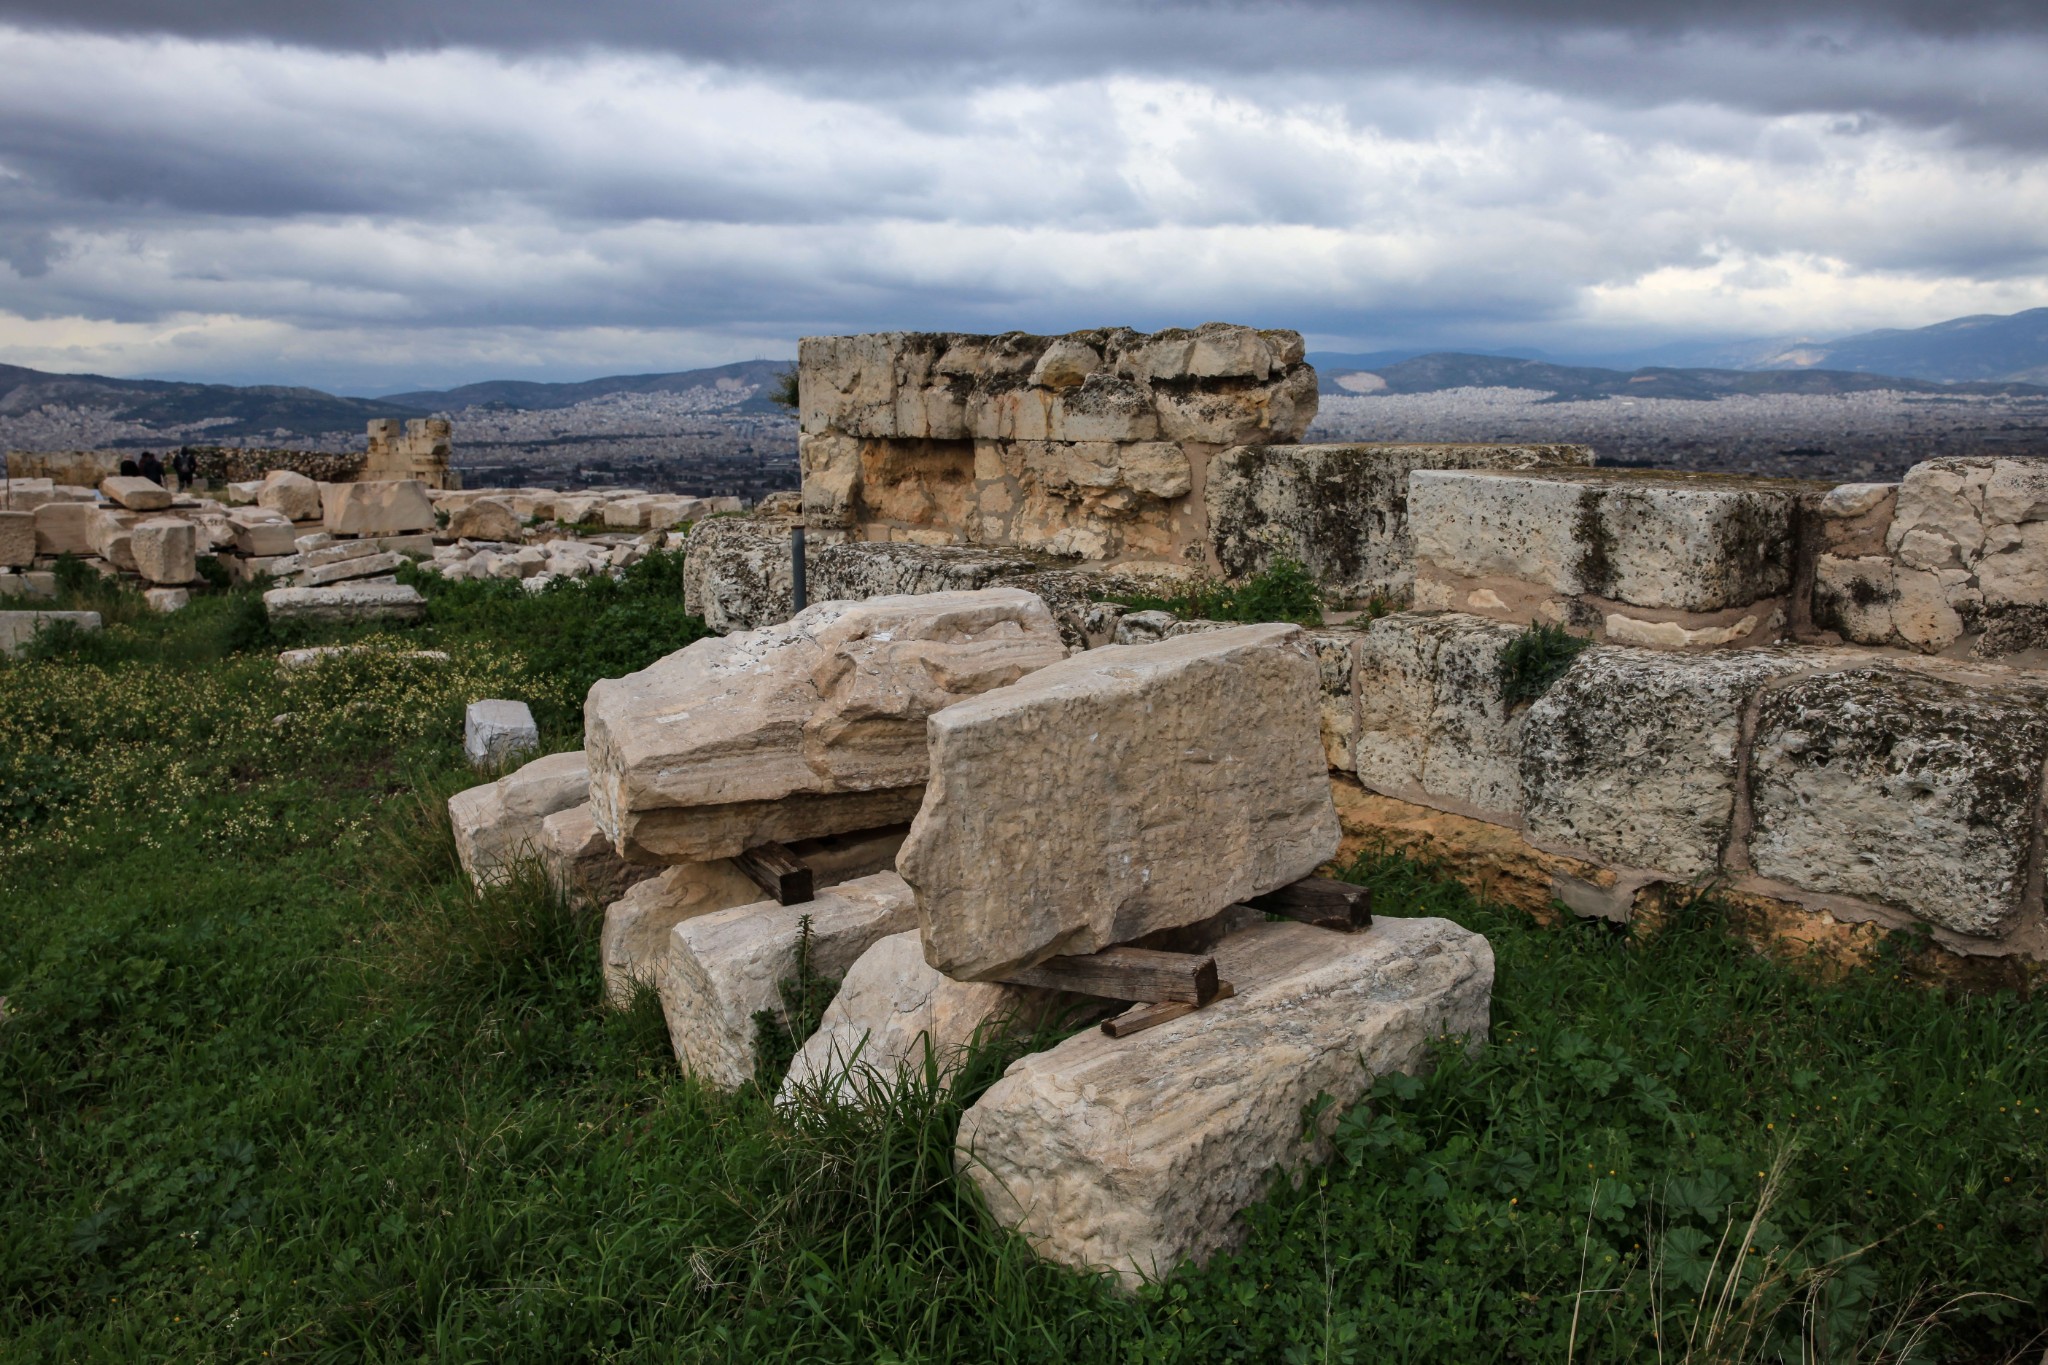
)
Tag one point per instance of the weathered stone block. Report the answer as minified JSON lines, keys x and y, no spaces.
{"x":290,"y":494}
{"x":1433,"y":727}
{"x":64,"y":528}
{"x":1632,"y":755}
{"x":17,"y":628}
{"x":17,"y":539}
{"x":493,"y":731}
{"x":1119,"y":792}
{"x":265,"y":537}
{"x":167,"y":599}
{"x":501,"y":820}
{"x":581,"y":863}
{"x":1133,"y":1155}
{"x":166,"y":550}
{"x":723,"y":968}
{"x":348,"y":568}
{"x":485,"y":519}
{"x":136,"y":494}
{"x":810,"y":728}
{"x":1916,"y":787}
{"x":347,"y":602}
{"x":1340,"y":510}
{"x":384,"y":507}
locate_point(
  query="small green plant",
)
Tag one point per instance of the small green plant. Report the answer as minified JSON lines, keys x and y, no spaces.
{"x":1285,"y":591}
{"x":1535,"y":659}
{"x":784,"y":390}
{"x":805,"y":994}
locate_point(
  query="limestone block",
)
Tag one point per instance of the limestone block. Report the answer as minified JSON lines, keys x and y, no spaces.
{"x":343,"y":569}
{"x":17,"y":539}
{"x":1682,"y":542}
{"x":347,"y":602}
{"x":723,"y":968}
{"x":736,"y":574}
{"x":1278,"y":412}
{"x":64,"y":528}
{"x":383,"y":507}
{"x":166,"y":550}
{"x":291,"y":494}
{"x":1121,"y":791}
{"x":17,"y":628}
{"x":1855,"y":499}
{"x":1340,"y":510}
{"x":112,"y":539}
{"x":1103,"y":408}
{"x":1918,"y":787}
{"x":1133,"y":1155}
{"x":891,"y":1010}
{"x":26,"y":495}
{"x":501,"y":820}
{"x":266,"y":537}
{"x":1854,"y":597}
{"x":810,"y":728}
{"x":1337,"y":653}
{"x":495,"y":730}
{"x":2013,"y":569}
{"x":38,"y":583}
{"x":135,"y":494}
{"x":580,"y":861}
{"x":167,"y":599}
{"x":485,"y":519}
{"x":1432,"y":725}
{"x":1632,"y":756}
{"x":244,"y":492}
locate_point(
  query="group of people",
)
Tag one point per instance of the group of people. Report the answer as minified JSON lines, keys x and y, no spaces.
{"x":184,"y":464}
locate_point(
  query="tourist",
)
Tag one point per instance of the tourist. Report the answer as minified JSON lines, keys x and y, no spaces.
{"x":186,"y":466}
{"x":151,"y":467}
{"x":129,"y":469}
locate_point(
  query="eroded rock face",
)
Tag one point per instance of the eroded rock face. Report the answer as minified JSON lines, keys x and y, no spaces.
{"x":1432,"y":724}
{"x":1916,"y":787}
{"x":892,"y":1009}
{"x":1632,"y":755}
{"x":500,"y":821}
{"x":1133,"y":1155}
{"x":810,"y":728}
{"x":723,"y":968}
{"x":1341,"y":510}
{"x":1122,"y":791}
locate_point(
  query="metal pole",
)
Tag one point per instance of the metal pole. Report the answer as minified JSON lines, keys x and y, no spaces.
{"x":799,"y":593}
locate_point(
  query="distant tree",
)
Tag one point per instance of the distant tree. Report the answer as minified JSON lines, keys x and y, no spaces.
{"x":783,"y":390}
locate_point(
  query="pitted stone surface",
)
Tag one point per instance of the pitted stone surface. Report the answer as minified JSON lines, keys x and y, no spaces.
{"x":500,"y":821}
{"x":1632,"y":755}
{"x":1432,"y":725}
{"x":347,"y":602}
{"x":809,"y":728}
{"x":495,"y":729}
{"x":384,"y":507}
{"x":1341,"y":510}
{"x":1916,"y":787}
{"x":723,"y":968}
{"x":1122,"y":791}
{"x":291,"y":494}
{"x":1133,"y":1155}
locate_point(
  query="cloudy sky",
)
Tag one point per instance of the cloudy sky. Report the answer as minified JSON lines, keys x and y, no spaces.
{"x":369,"y":195}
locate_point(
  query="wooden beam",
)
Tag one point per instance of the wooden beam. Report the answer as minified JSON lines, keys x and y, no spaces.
{"x":1320,"y":901}
{"x":1127,"y":974}
{"x":779,"y":872}
{"x":1138,"y":1018}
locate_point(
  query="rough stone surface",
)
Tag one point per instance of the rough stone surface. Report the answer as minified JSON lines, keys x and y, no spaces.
{"x":810,"y":728}
{"x":1340,"y":510}
{"x":167,"y":599}
{"x":291,"y":494}
{"x":349,"y":568}
{"x":348,"y":602}
{"x":1124,"y":790}
{"x":136,"y":494}
{"x":501,"y":820}
{"x":493,"y":731}
{"x":384,"y":507}
{"x":1915,"y":787}
{"x":64,"y":528}
{"x":891,"y":1008}
{"x":17,"y":628}
{"x":1632,"y":755}
{"x":1432,"y":725}
{"x":485,"y":519}
{"x":17,"y":539}
{"x":723,"y":968}
{"x":581,"y":862}
{"x":1133,"y":1155}
{"x":262,"y":535}
{"x":1692,"y":543}
{"x":166,"y":550}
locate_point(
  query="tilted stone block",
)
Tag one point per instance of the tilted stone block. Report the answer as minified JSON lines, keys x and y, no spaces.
{"x":347,"y":602}
{"x":810,"y":728}
{"x":723,"y":968}
{"x":500,"y":821}
{"x":383,"y":507}
{"x":1433,"y":726}
{"x":495,"y":729}
{"x":1918,"y":787}
{"x":166,"y":550}
{"x":1632,"y":755}
{"x":1119,"y":792}
{"x":290,"y":494}
{"x":1132,"y":1155}
{"x":136,"y":494}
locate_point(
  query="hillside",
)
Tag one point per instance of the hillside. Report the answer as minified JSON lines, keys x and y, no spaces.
{"x":527,"y":396}
{"x":2011,"y":346}
{"x":1439,"y":371}
{"x":173,"y":409}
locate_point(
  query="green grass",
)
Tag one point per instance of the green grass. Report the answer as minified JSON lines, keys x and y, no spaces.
{"x":273,"y":1080}
{"x":1535,"y":659}
{"x":1284,"y":592}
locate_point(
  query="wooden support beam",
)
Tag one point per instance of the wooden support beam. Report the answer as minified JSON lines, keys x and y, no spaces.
{"x":779,"y":872}
{"x":1127,"y":974}
{"x":1138,"y":1018}
{"x":1320,"y":901}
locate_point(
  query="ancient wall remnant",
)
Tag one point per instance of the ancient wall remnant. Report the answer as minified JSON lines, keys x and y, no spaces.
{"x":421,"y":450}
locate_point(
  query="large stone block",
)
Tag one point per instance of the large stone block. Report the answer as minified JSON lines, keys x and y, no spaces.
{"x":1136,"y":1154}
{"x":1646,"y":539}
{"x":263,"y":535}
{"x":810,"y":728}
{"x":347,"y":602}
{"x":136,"y":494}
{"x":1916,"y":787}
{"x":1122,"y":791}
{"x":485,"y":519}
{"x":17,"y":628}
{"x":723,"y":968}
{"x":384,"y":507}
{"x":500,"y":821}
{"x":166,"y":550}
{"x":290,"y":494}
{"x":17,"y":539}
{"x":1340,"y":510}
{"x":1433,"y":726}
{"x":64,"y":528}
{"x":581,"y":863}
{"x":1633,"y":755}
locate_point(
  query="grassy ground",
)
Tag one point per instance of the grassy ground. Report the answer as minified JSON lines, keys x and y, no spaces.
{"x":275,"y":1085}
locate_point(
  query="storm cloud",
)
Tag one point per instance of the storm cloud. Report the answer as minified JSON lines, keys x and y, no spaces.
{"x":387,"y":195}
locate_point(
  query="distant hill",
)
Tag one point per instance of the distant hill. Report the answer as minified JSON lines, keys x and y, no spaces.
{"x":260,"y":410}
{"x":759,"y":375}
{"x":1455,"y":370}
{"x":2010,"y":347}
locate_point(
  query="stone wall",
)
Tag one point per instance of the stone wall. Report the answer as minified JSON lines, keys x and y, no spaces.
{"x":421,"y":450}
{"x":237,"y":464}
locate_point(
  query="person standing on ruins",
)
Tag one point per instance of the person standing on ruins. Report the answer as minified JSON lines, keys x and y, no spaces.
{"x":151,"y":468}
{"x":129,"y":469}
{"x":186,"y":466}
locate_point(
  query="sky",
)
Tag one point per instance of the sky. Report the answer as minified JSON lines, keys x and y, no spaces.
{"x":366,"y":196}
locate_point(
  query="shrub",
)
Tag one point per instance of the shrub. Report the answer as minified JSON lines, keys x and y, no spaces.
{"x":1535,"y":659}
{"x":1285,"y":591}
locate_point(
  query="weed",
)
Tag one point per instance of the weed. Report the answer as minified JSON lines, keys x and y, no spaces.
{"x":1284,"y":592}
{"x":1535,"y":659}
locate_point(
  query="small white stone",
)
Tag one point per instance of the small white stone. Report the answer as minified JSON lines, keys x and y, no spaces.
{"x":495,"y":730}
